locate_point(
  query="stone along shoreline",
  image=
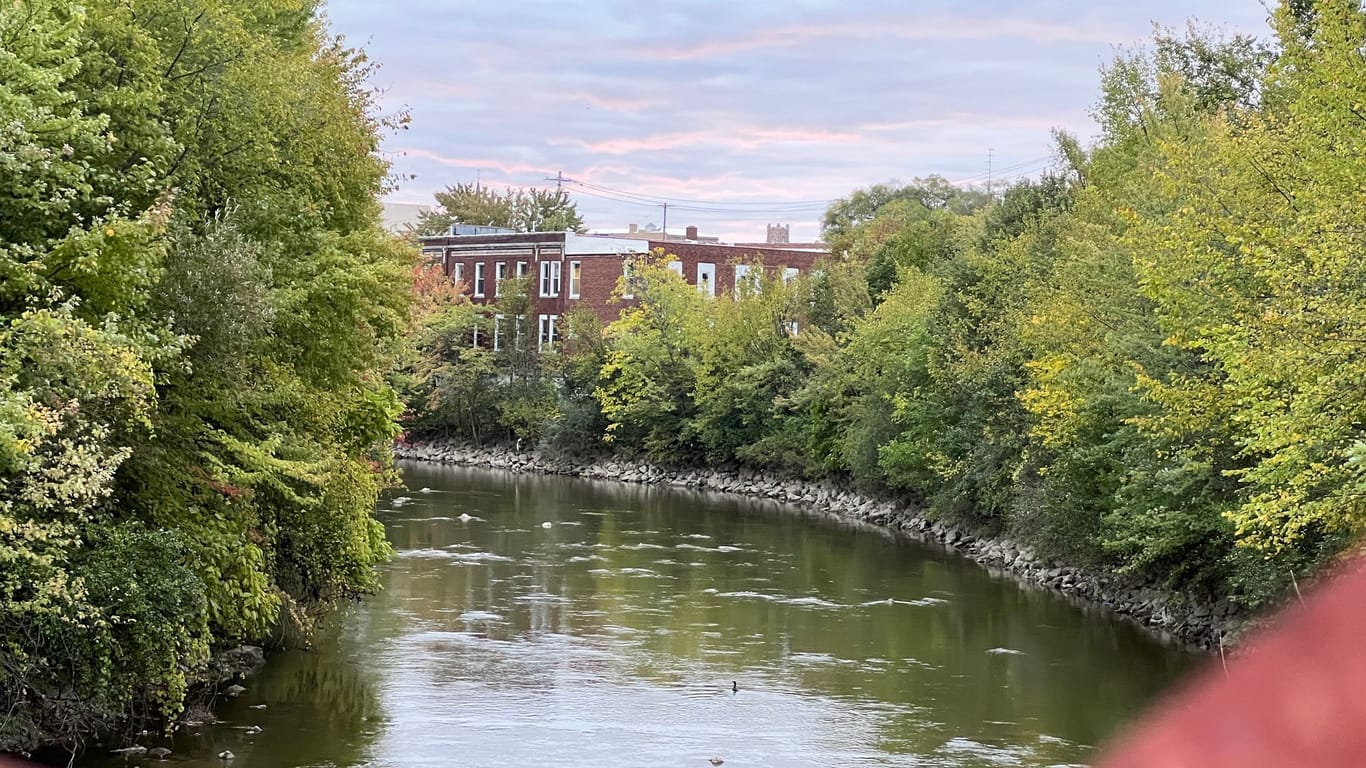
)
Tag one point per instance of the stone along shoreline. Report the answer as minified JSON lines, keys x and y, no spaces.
{"x":1171,"y":617}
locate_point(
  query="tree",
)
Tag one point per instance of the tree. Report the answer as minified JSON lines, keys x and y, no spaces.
{"x":196,"y":304}
{"x":518,"y":209}
{"x":649,"y":374}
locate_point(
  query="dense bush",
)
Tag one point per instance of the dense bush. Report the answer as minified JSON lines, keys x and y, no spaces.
{"x":196,"y":308}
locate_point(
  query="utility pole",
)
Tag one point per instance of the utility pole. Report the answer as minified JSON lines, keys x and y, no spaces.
{"x":666,"y":221}
{"x":989,"y":150}
{"x":559,"y":179}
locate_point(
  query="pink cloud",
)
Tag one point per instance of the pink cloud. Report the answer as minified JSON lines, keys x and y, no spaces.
{"x":473,"y":163}
{"x":738,"y":138}
{"x":923,"y":28}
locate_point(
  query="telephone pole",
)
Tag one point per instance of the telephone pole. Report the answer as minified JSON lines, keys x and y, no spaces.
{"x":666,"y":221}
{"x":989,"y":150}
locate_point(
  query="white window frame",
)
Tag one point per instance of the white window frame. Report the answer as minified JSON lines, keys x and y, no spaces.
{"x":742,"y":276}
{"x":676,"y":267}
{"x":479,"y":279}
{"x":458,"y":272}
{"x":550,"y":279}
{"x":790,"y":274}
{"x":575,"y":279}
{"x":545,"y":335}
{"x":708,"y":269}
{"x":521,"y":268}
{"x":500,"y":273}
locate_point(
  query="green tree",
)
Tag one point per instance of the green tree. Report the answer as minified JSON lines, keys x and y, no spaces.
{"x":649,"y":375}
{"x":196,"y":305}
{"x":518,"y":209}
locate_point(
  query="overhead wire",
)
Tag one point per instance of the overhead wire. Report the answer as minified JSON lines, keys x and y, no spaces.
{"x":775,"y":207}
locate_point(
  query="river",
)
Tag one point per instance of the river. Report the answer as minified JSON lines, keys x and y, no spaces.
{"x":545,"y":621}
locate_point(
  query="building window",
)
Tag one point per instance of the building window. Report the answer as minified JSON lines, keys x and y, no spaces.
{"x":547,"y":331}
{"x":628,"y":281}
{"x":745,"y":280}
{"x":550,"y":279}
{"x":479,"y":279}
{"x":521,"y":269}
{"x":676,"y":267}
{"x":790,"y":274}
{"x":497,"y":332}
{"x":706,"y":278}
{"x":458,"y":272}
{"x":575,"y":278}
{"x":500,"y":273}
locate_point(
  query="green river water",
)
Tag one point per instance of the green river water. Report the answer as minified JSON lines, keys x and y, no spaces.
{"x":544,"y":621}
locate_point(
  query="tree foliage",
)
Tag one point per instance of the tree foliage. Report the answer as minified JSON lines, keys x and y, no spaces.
{"x":196,"y":304}
{"x":518,"y":209}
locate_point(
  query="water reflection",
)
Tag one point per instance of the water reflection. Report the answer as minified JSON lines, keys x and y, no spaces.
{"x":554,"y":622}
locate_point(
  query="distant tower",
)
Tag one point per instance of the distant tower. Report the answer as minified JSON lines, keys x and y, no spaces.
{"x":778,"y":234}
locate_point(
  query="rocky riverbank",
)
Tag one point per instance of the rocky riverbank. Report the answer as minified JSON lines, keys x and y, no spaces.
{"x":1170,"y":616}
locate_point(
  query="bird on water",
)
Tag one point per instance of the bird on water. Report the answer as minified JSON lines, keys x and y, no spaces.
{"x":734,"y":688}
{"x":715,"y":760}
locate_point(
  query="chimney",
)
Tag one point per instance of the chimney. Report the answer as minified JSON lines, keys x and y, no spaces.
{"x":691,"y":233}
{"x":633,"y":229}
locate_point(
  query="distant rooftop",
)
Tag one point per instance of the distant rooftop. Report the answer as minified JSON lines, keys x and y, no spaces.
{"x":479,"y":229}
{"x":399,"y":217}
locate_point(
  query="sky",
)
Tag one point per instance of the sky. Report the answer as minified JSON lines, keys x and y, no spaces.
{"x":741,"y":113}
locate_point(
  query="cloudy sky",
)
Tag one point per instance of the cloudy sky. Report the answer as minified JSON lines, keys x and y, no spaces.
{"x":742,"y":112}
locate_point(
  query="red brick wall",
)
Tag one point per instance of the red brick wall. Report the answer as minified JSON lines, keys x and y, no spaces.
{"x":600,"y":275}
{"x":601,"y":271}
{"x":726,"y":257}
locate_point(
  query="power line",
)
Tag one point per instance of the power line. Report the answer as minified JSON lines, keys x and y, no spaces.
{"x":767,"y":207}
{"x":660,"y":199}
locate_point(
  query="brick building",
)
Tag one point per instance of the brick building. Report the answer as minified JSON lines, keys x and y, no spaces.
{"x":572,"y":270}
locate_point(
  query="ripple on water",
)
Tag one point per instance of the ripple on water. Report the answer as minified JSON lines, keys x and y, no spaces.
{"x":587,"y":559}
{"x":481,"y":557}
{"x":427,"y":554}
{"x":481,"y":616}
{"x":644,"y":573}
{"x":803,"y":602}
{"x":540,"y":597}
{"x":961,"y":746}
